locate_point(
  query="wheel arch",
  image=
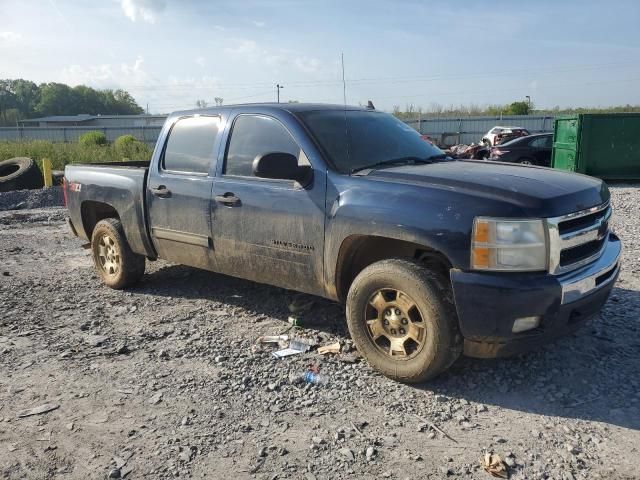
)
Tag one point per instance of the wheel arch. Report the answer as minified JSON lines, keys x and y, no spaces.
{"x":359,"y":251}
{"x":92,"y":212}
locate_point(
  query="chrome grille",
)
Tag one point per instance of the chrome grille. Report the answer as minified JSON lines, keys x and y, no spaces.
{"x":577,"y":238}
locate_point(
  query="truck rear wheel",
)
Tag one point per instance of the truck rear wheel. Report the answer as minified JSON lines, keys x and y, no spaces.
{"x":116,"y":264}
{"x":402,"y":319}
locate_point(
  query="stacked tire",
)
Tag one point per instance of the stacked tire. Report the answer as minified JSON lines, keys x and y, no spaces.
{"x":20,"y":173}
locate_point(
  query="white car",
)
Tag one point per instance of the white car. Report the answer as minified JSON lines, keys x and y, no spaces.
{"x":498,"y":134}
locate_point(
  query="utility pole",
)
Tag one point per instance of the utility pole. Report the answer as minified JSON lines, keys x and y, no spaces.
{"x":278,"y":87}
{"x":528,"y":103}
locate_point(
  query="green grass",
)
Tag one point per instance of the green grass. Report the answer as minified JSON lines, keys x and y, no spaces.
{"x":62,"y":154}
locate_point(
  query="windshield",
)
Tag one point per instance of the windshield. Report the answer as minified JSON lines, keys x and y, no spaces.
{"x":373,"y":138}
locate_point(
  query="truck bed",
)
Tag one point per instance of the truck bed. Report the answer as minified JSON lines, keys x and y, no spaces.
{"x":107,"y":188}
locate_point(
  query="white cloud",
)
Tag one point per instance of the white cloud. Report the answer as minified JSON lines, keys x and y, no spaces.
{"x":200,"y":61}
{"x":243,"y":47}
{"x":306,"y":64}
{"x":258,"y":23}
{"x":107,"y":75}
{"x":145,"y":10}
{"x":254,"y":53}
{"x":10,"y":36}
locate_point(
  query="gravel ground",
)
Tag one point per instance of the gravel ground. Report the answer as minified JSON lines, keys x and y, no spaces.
{"x":29,"y":199}
{"x":163,"y":381}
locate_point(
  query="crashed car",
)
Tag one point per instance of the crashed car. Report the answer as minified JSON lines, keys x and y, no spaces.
{"x":498,"y":135}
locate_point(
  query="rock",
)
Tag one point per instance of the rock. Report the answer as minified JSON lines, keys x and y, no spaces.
{"x":481,"y":408}
{"x":114,"y":473}
{"x":573,"y":449}
{"x":318,"y":440}
{"x":347,"y":453}
{"x":262,"y":452}
{"x":370,"y":453}
{"x":156,"y":399}
{"x":187,"y":454}
{"x":446,"y":470}
{"x":96,"y":340}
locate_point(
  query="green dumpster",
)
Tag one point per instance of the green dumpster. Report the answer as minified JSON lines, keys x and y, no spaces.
{"x":604,"y":145}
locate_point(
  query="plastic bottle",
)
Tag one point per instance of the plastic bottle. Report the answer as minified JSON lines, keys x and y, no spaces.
{"x":314,"y":378}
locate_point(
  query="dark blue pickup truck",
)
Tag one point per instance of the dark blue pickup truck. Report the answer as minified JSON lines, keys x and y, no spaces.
{"x":432,"y":257}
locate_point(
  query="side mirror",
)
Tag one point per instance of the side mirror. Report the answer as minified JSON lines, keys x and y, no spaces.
{"x":279,"y":165}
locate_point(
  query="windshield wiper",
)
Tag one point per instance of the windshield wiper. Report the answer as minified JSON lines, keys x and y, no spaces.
{"x":409,"y":160}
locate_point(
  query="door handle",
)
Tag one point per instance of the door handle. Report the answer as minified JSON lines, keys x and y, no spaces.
{"x":161,"y":191}
{"x":227,"y":199}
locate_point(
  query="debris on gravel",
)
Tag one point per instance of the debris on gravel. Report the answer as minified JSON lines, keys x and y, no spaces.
{"x":167,"y":380}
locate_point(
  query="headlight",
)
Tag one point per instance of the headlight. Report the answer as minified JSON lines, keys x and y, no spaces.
{"x":508,"y":245}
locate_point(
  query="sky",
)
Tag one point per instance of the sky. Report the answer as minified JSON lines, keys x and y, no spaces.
{"x":171,"y":53}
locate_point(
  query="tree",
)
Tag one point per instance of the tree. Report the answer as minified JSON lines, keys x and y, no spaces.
{"x":518,"y":108}
{"x":201,"y":104}
{"x":56,"y":99}
{"x":20,"y":99}
{"x":218,"y":101}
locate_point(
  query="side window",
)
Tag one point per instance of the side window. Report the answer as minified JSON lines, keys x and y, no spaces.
{"x":540,"y":142}
{"x":190,"y":144}
{"x":548,"y":142}
{"x":253,"y":135}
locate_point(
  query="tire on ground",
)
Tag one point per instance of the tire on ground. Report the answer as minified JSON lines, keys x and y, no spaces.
{"x":19,"y":173}
{"x":433,"y":297}
{"x":131,"y":265}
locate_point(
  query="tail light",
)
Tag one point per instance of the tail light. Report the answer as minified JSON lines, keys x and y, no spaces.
{"x":64,"y":190}
{"x":498,"y":152}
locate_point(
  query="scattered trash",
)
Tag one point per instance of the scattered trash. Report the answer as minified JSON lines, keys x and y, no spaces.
{"x":294,"y":321}
{"x":474,"y":150}
{"x":47,"y":407}
{"x":279,"y":339}
{"x":312,"y":376}
{"x":494,"y":466}
{"x":296,"y":346}
{"x":331,"y":348}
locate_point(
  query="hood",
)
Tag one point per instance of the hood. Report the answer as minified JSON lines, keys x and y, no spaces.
{"x":532,"y":188}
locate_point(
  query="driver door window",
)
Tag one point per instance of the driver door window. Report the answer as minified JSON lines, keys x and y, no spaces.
{"x":254,"y":135}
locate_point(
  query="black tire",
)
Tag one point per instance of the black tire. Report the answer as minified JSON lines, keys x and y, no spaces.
{"x":19,"y":173}
{"x":441,"y":343}
{"x":117,"y":266}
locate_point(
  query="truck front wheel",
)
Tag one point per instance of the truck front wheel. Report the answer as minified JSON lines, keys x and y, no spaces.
{"x":402,"y":319}
{"x":116,"y":264}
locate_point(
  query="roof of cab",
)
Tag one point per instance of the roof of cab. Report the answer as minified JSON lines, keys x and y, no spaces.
{"x":290,"y":107}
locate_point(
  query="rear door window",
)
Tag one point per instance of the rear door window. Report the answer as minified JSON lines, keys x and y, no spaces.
{"x":254,"y":135}
{"x":541,"y":142}
{"x":189,"y":148}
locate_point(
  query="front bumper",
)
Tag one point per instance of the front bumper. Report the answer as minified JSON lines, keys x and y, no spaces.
{"x":489,"y":303}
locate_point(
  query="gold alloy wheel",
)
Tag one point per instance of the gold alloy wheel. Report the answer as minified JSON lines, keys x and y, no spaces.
{"x":108,"y":255}
{"x":395,"y":324}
